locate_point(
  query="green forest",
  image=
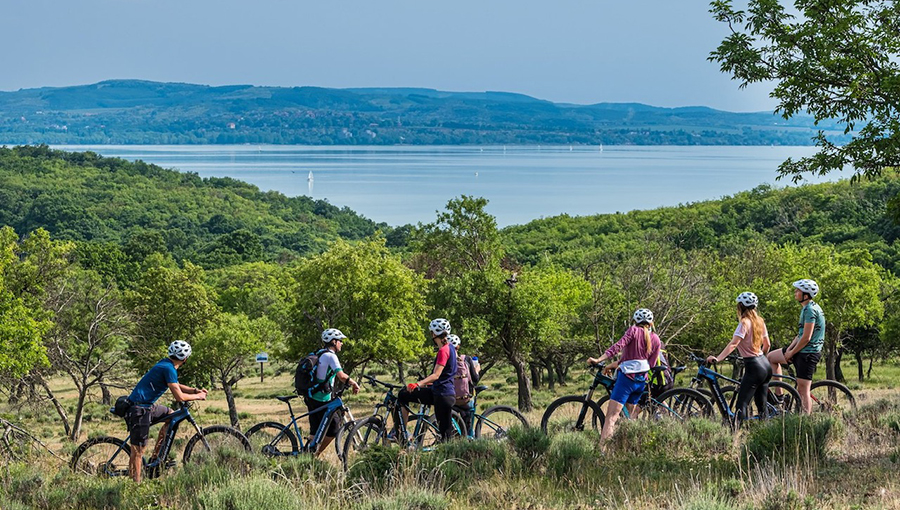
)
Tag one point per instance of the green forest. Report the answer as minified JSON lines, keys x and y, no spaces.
{"x":142,"y":112}
{"x":177,"y":256}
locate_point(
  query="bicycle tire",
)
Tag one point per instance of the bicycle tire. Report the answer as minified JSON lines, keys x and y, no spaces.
{"x":262,"y":434}
{"x":832,"y":397}
{"x":92,"y":457}
{"x":224,"y":440}
{"x":367,"y":432}
{"x":685,"y":403}
{"x":571,"y":418}
{"x":431,"y":435}
{"x":790,"y":403}
{"x":504,"y":417}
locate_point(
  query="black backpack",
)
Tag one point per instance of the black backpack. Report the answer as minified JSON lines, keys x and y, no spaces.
{"x":305,"y":376}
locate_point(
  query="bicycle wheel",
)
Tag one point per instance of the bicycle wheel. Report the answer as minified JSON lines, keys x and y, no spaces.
{"x":572,"y":413}
{"x":363,"y":435}
{"x":272,"y":439}
{"x":832,"y":397}
{"x":788,"y":403}
{"x":430,"y":433}
{"x":684,"y":403}
{"x":497,"y":420}
{"x":215,"y":444}
{"x":102,"y":456}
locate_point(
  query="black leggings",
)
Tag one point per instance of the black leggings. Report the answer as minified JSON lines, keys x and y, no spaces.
{"x":755,"y":385}
{"x":443,"y":407}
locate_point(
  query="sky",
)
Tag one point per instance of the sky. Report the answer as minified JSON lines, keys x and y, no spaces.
{"x":571,"y":51}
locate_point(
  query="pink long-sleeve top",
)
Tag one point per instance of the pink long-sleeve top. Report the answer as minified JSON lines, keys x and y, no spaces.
{"x":632,"y":345}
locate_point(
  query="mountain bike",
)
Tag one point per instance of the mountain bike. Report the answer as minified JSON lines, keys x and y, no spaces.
{"x":575,"y":413}
{"x":494,"y":423}
{"x":725,"y":398}
{"x":276,"y":440}
{"x":375,"y":429}
{"x":107,"y":456}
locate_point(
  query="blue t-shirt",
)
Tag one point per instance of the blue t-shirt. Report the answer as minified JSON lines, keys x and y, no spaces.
{"x":154,"y":383}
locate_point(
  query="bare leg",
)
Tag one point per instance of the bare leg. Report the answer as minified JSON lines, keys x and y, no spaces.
{"x":776,"y":359}
{"x":633,"y":410}
{"x":803,"y":387}
{"x":324,"y":444}
{"x":612,"y":416}
{"x":159,"y":439}
{"x":135,"y":462}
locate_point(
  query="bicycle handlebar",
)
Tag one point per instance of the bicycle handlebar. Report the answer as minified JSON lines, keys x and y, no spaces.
{"x":376,"y":382}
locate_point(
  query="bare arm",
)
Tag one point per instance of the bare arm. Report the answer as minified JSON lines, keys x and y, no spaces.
{"x":433,"y":377}
{"x":345,"y":378}
{"x":182,"y":396}
{"x":808,"y":328}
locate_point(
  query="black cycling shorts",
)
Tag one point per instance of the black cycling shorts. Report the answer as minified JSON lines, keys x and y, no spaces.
{"x":315,"y":419}
{"x":139,"y":420}
{"x":805,"y":363}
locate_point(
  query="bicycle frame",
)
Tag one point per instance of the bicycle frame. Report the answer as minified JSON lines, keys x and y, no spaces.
{"x":313,"y":443}
{"x":174,"y":420}
{"x":712,"y":378}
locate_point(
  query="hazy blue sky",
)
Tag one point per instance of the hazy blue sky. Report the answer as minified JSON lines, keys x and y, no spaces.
{"x":578,"y":51}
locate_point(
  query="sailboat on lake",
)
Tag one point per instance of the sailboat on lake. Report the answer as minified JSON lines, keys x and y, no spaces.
{"x":310,"y":178}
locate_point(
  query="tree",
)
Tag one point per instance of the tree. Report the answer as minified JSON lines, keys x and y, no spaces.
{"x":836,"y":59}
{"x":22,"y":322}
{"x":224,"y":349}
{"x":91,"y":331}
{"x":169,"y":304}
{"x":366,"y":292}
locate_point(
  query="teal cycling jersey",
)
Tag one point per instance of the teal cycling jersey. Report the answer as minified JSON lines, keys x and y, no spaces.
{"x":812,"y":314}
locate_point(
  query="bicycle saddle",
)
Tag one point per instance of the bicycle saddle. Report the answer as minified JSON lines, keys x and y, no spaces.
{"x":678,"y":370}
{"x":658,"y":369}
{"x":480,"y":388}
{"x":287,"y":398}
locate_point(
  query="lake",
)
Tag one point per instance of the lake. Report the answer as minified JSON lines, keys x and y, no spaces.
{"x":407,"y":184}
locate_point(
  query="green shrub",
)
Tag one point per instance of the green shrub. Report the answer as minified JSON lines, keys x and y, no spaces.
{"x":530,"y":444}
{"x":890,"y":421}
{"x":410,"y":499}
{"x":464,"y":461}
{"x":374,"y":466}
{"x":670,"y":439}
{"x":303,"y":467}
{"x":571,"y":453}
{"x":249,"y":494}
{"x":795,"y":439}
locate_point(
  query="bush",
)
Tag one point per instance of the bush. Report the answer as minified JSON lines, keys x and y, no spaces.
{"x":571,"y":453}
{"x":249,"y":494}
{"x":303,"y":467}
{"x":410,"y":499}
{"x":374,"y":466}
{"x":530,"y":444}
{"x":464,"y":461}
{"x":794,"y":439}
{"x":670,"y":439}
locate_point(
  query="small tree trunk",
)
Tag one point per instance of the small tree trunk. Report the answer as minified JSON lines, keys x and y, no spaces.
{"x":562,"y":373}
{"x":107,"y":396}
{"x":60,"y":410}
{"x":16,"y":394}
{"x":869,"y":371}
{"x":535,"y":370}
{"x":79,"y":414}
{"x":401,"y":375}
{"x":551,"y":381}
{"x":859,"y":365}
{"x":838,"y":371}
{"x":229,"y":397}
{"x":830,"y":351}
{"x":525,"y":404}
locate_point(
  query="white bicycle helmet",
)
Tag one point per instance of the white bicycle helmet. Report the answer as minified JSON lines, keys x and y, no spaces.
{"x":642,"y":315}
{"x":808,"y":286}
{"x":439,"y":326}
{"x":179,"y":349}
{"x":332,"y":334}
{"x":747,"y":299}
{"x":454,"y":341}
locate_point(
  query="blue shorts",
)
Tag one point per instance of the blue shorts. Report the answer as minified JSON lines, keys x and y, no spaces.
{"x":628,"y":390}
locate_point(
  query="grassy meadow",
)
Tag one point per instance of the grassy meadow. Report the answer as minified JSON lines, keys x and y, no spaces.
{"x":797,"y":463}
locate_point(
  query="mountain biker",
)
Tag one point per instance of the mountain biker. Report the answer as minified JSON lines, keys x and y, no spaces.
{"x":805,"y":350}
{"x":640,"y":349}
{"x":441,"y":394}
{"x":144,"y":409}
{"x":464,"y":404}
{"x":327,"y":369}
{"x":751,"y":338}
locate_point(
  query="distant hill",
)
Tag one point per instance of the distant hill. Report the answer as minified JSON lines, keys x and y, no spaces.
{"x":143,"y":112}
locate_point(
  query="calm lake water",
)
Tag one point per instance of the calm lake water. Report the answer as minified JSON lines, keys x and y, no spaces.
{"x":401,"y":185}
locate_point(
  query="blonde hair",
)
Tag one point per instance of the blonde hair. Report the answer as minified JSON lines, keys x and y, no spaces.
{"x":758,"y":323}
{"x":647,"y":327}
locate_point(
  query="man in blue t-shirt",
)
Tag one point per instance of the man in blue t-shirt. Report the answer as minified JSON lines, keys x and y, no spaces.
{"x":144,"y":409}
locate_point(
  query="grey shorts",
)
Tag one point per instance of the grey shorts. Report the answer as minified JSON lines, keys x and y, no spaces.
{"x":139,"y":420}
